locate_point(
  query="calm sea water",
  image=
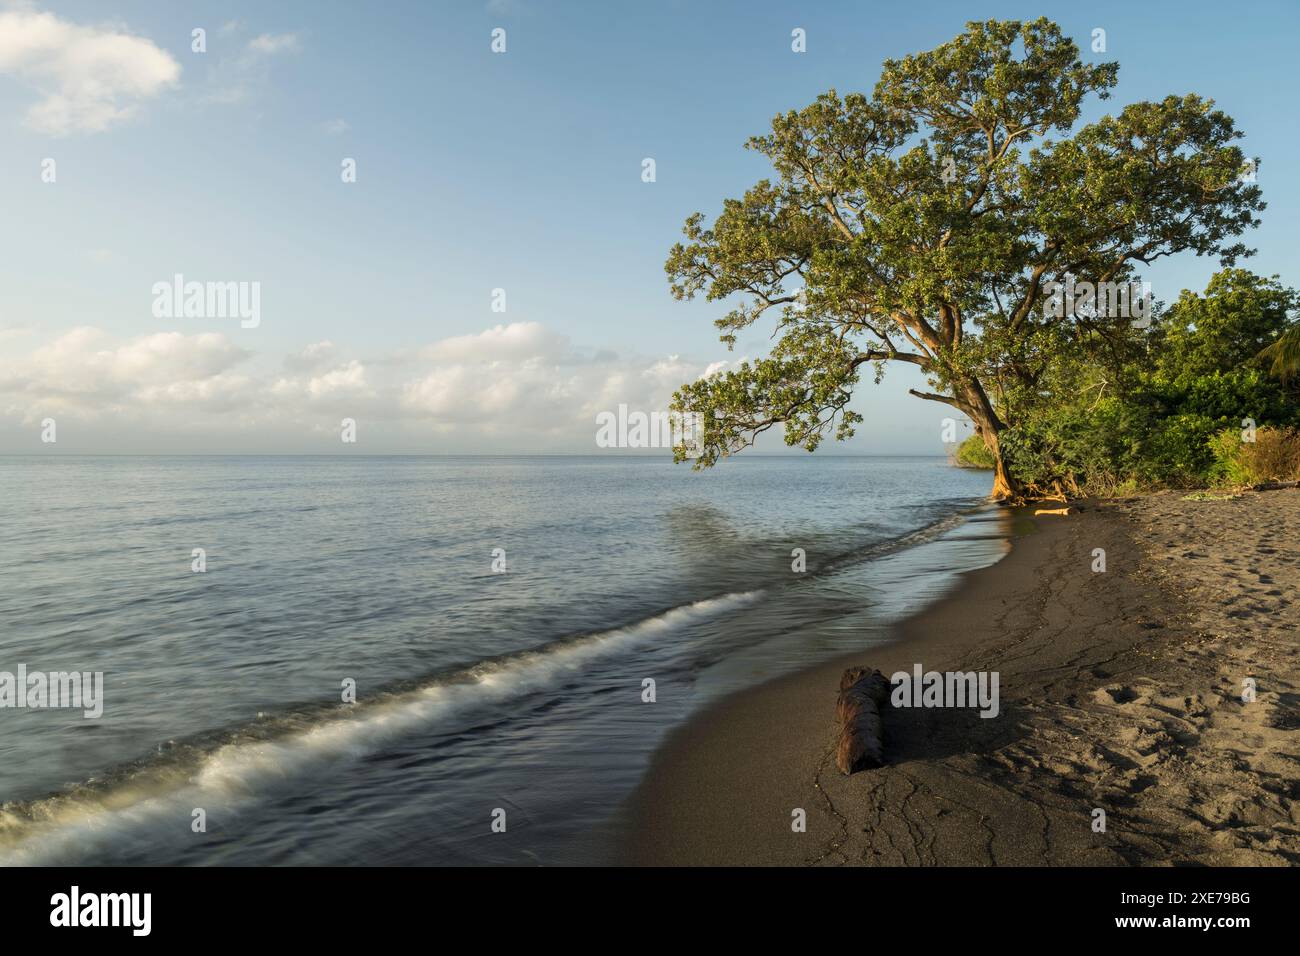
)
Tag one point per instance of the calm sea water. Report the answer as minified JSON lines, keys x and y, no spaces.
{"x":476,"y":691}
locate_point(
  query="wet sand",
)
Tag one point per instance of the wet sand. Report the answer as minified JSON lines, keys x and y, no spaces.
{"x":1121,"y":691}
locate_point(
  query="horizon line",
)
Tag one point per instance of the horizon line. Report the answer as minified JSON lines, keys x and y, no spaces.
{"x":88,"y":454}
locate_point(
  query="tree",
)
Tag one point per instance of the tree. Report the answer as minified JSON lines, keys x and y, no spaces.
{"x":1224,"y":328}
{"x":921,"y":226}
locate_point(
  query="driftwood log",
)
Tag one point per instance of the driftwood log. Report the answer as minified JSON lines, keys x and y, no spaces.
{"x":861,"y":743}
{"x":1277,"y":485}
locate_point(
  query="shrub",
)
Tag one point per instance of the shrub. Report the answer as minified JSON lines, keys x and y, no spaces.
{"x":1175,"y":451}
{"x":973,"y":453}
{"x":1274,"y":455}
{"x":1228,"y":468}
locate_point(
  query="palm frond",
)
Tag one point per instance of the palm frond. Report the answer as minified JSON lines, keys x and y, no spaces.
{"x":1283,"y":355}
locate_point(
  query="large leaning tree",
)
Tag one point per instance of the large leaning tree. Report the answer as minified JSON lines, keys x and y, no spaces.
{"x":925,"y":225}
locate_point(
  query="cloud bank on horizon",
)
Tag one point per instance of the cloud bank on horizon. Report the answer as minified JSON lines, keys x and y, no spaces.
{"x":515,"y":387}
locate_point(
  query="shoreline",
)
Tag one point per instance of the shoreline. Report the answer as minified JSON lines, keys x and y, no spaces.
{"x":1120,"y":691}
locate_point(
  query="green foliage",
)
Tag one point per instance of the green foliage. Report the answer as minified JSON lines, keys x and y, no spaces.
{"x":973,"y":453}
{"x":1238,"y":315}
{"x":1229,"y":467}
{"x":1078,"y":447}
{"x":1282,"y":356}
{"x":1167,"y":409}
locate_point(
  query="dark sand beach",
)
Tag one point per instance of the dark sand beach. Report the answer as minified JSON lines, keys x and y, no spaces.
{"x":1120,"y":690}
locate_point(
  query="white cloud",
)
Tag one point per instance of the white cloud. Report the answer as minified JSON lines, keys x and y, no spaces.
{"x":271,"y":44}
{"x":84,"y":361}
{"x":312,"y":357}
{"x":336,"y":127}
{"x":349,"y":379}
{"x":240,"y":76}
{"x":88,"y":78}
{"x":513,"y":341}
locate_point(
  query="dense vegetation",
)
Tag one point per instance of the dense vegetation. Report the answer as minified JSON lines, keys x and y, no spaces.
{"x":1185,"y":402}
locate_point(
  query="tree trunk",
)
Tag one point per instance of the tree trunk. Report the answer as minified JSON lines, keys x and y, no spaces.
{"x":1005,"y":486}
{"x":988,"y":426}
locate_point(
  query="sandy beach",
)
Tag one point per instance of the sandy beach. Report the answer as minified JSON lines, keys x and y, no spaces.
{"x":1121,"y":690}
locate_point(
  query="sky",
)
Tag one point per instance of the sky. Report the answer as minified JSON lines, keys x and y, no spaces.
{"x":475,"y":171}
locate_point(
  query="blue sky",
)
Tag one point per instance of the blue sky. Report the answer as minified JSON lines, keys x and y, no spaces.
{"x":475,"y":171}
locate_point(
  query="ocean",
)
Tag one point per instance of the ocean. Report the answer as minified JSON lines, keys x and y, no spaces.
{"x":498,"y":620}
